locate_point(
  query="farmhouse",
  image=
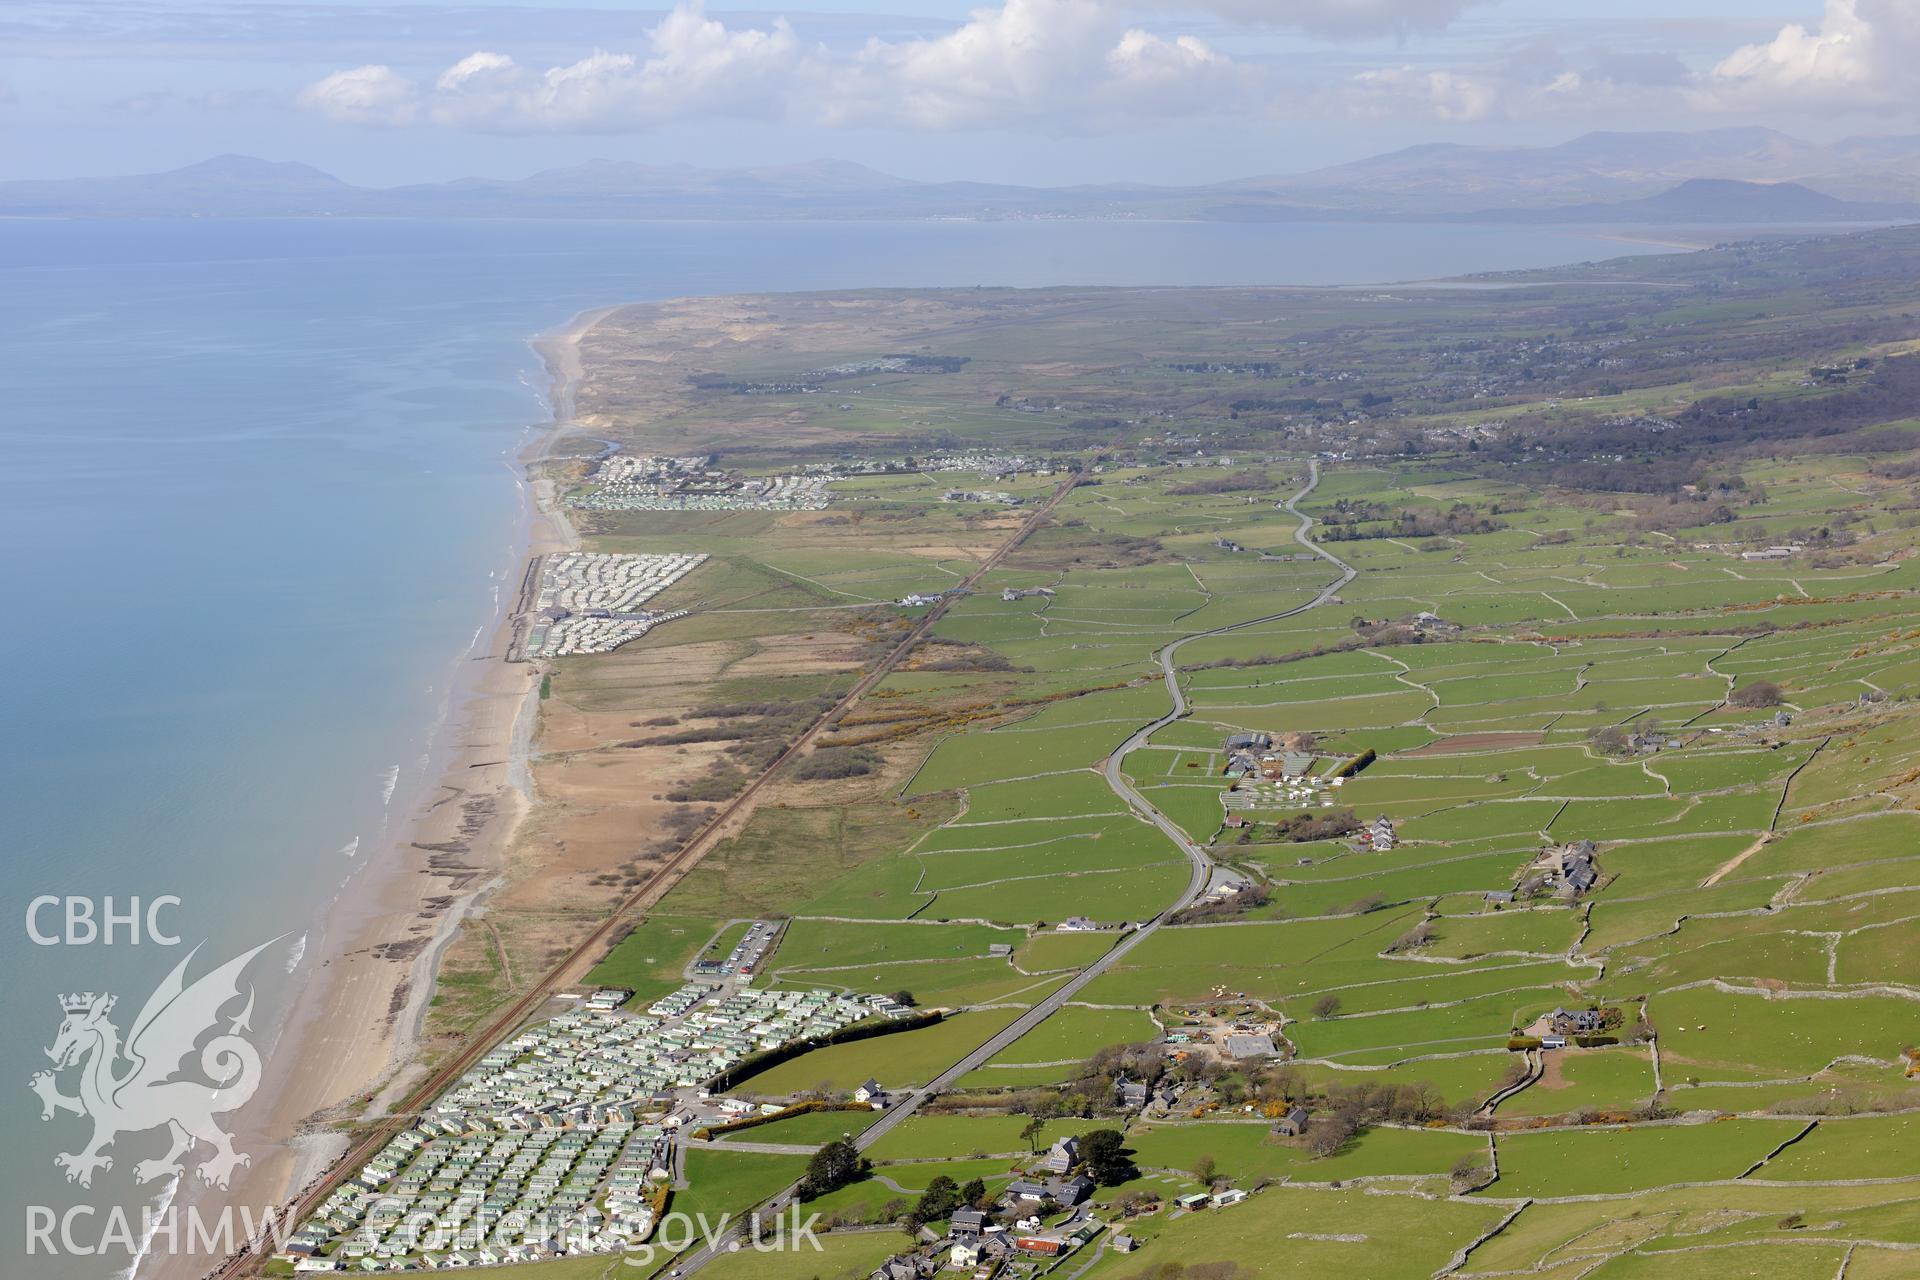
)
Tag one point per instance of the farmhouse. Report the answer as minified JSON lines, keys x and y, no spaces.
{"x":1567,"y":870}
{"x":1577,"y":1021}
{"x":1062,"y":1156}
{"x":1291,"y":1125}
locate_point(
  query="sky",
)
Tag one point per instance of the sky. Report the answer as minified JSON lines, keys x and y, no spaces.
{"x":1030,"y":91}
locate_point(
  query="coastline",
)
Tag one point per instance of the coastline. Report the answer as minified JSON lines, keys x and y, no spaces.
{"x":366,"y":979}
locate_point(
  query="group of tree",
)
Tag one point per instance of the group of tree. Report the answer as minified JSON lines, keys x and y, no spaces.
{"x":1307,"y":825}
{"x":836,"y":1165}
{"x":942,"y":1198}
{"x":1106,"y":1157}
{"x":1757,"y":693}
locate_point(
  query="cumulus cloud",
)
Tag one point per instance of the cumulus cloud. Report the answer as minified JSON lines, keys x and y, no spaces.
{"x":692,"y":66}
{"x":1532,"y":81}
{"x":1859,"y":55}
{"x":1452,"y":96}
{"x":364,"y":95}
{"x":1074,"y":63}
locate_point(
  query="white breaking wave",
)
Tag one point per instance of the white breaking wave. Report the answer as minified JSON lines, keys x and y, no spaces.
{"x":388,"y":782}
{"x":350,"y":848}
{"x":160,"y":1204}
{"x":298,"y":951}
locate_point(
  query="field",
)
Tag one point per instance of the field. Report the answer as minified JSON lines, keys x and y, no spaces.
{"x":1594,"y":723}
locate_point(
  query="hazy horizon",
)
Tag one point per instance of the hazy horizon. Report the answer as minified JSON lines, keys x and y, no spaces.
{"x":1029,"y":92}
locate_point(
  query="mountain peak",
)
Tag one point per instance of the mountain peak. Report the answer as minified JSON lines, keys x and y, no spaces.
{"x":231,"y":167}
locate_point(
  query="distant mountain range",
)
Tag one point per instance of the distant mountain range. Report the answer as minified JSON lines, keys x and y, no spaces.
{"x":1722,"y":175}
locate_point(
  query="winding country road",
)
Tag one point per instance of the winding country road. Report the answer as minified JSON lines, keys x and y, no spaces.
{"x":1116,"y":779}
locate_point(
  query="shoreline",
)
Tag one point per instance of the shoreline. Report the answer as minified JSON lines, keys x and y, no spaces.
{"x":366,"y":980}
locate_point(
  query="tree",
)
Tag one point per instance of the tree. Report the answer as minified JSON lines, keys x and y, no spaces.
{"x":1609,"y":740}
{"x":940,"y":1199}
{"x":904,"y":997}
{"x":974,"y":1193}
{"x":1203,"y":1170}
{"x":1108,"y":1161}
{"x":833,"y":1166}
{"x":1329,"y":1133}
{"x":1759,"y":693}
{"x":1326,"y":1006}
{"x":1031,"y":1131}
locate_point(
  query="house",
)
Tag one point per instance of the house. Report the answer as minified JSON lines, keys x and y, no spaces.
{"x":1292,"y":1124}
{"x":1570,"y":868}
{"x":1124,"y":1243}
{"x":1381,"y":833}
{"x":1025,"y":1191}
{"x":1076,"y":924}
{"x":1553,"y":1042}
{"x":1198,"y":1200}
{"x":1577,"y":1021}
{"x":1232,"y":1195}
{"x":1047,"y":1246}
{"x":967,"y":1222}
{"x":1069,"y":1192}
{"x":872,"y":1094}
{"x":1249,"y":742}
{"x":964,"y":1253}
{"x":1130,"y":1094}
{"x":1062,"y":1156}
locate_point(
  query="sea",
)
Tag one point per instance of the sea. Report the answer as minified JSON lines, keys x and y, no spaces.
{"x":261,"y":503}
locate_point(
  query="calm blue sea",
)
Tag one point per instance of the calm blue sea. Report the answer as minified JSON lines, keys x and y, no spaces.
{"x":259,"y":501}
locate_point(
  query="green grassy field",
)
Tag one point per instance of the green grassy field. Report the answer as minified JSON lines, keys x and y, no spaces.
{"x":1554,"y":634}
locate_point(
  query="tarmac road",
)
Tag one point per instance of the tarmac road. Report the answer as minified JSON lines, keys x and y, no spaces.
{"x":1202,"y":866}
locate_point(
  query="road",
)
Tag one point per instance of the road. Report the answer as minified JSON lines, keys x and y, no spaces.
{"x":1116,"y":779}
{"x":1170,"y":672}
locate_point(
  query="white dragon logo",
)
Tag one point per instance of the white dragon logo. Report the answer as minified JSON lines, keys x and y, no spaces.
{"x":146,"y":1096}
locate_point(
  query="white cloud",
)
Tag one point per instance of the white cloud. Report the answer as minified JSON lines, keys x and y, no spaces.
{"x":364,"y":95}
{"x":693,"y":66}
{"x":1074,"y":64}
{"x":1451,"y":96}
{"x":1859,"y":55}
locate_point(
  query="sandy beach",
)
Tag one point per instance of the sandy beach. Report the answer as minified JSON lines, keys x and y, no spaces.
{"x":348,"y":1047}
